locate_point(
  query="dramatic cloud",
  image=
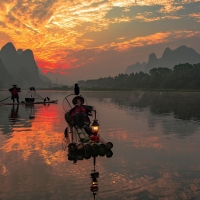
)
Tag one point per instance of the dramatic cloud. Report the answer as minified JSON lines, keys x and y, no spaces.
{"x":57,"y":29}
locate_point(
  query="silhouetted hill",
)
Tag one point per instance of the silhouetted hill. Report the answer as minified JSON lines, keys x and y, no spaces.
{"x":10,"y":59}
{"x":22,"y":67}
{"x":5,"y":78}
{"x":169,"y":59}
{"x":19,"y":51}
{"x":59,"y":78}
{"x":135,"y":68}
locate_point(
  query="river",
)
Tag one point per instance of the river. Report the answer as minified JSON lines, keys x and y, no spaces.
{"x":156,"y":138}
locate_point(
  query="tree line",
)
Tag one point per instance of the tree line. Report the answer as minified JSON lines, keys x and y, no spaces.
{"x":182,"y":76}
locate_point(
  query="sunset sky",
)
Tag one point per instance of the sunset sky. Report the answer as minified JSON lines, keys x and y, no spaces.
{"x":97,"y":38}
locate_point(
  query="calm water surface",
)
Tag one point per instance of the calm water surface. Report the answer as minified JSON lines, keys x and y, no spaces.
{"x":156,"y":139}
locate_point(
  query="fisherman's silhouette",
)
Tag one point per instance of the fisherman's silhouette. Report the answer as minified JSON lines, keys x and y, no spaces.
{"x":76,"y":89}
{"x":14,"y":91}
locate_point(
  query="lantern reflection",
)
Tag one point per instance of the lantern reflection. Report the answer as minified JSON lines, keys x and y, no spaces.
{"x":94,"y":175}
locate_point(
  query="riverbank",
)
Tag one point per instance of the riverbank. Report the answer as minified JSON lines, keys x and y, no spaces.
{"x":113,"y":89}
{"x":125,"y":90}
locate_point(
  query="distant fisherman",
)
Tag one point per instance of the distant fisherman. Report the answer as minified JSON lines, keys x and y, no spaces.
{"x":14,"y":91}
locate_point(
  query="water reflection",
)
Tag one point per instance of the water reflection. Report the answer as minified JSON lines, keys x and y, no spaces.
{"x":19,"y":116}
{"x":94,"y":182}
{"x":147,"y":163}
{"x":184,"y":106}
{"x":30,"y":109}
{"x":14,"y":114}
{"x":177,"y":113}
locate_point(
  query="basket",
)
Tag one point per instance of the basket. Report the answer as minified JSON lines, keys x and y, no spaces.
{"x":29,"y":100}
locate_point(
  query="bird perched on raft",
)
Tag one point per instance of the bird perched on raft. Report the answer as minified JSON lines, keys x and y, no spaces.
{"x":76,"y":89}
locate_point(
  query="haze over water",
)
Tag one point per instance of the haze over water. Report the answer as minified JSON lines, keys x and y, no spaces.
{"x":155,"y":154}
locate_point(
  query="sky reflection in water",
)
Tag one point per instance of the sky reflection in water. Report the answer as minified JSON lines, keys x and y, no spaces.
{"x":155,"y":155}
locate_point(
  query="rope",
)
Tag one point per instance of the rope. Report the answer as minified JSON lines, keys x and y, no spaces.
{"x":67,"y":101}
{"x":5,"y":99}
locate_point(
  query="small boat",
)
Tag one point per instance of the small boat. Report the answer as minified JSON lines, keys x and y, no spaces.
{"x":30,"y":98}
{"x":31,"y":103}
{"x":32,"y":95}
{"x":3,"y":104}
{"x":42,"y":102}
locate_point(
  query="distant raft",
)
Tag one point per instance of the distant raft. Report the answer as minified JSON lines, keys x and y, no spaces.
{"x":30,"y":103}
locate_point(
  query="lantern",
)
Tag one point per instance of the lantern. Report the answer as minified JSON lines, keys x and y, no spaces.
{"x":95,"y":127}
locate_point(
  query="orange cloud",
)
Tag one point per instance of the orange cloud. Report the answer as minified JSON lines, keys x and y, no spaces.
{"x":161,"y":37}
{"x":195,"y":16}
{"x":55,"y":29}
{"x":170,"y":8}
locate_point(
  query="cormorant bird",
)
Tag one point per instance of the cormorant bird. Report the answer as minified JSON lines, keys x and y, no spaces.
{"x":32,"y":89}
{"x":76,"y":89}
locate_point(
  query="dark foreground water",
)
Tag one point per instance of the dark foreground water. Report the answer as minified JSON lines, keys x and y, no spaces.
{"x":156,"y":153}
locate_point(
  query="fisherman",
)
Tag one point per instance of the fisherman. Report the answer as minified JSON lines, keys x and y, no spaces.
{"x":78,"y":113}
{"x":14,"y":91}
{"x":78,"y":116}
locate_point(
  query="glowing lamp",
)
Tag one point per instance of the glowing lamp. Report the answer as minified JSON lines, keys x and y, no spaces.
{"x":94,"y":187}
{"x":95,"y":127}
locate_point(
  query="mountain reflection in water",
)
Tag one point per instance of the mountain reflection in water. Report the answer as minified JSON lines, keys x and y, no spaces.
{"x":155,"y":154}
{"x":173,"y":110}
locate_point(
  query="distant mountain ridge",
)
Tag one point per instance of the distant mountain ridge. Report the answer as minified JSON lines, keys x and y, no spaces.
{"x":19,"y":67}
{"x":169,"y":59}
